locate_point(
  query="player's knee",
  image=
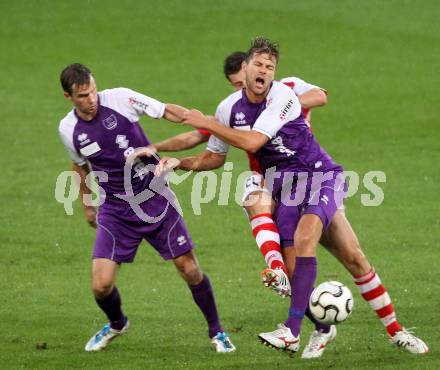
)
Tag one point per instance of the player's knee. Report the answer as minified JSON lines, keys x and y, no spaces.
{"x":191,"y":273}
{"x":257,"y":209}
{"x":102,"y":288}
{"x":356,"y":262}
{"x":304,"y":241}
{"x":190,"y":270}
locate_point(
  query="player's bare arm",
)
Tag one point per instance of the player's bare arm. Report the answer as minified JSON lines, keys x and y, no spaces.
{"x":204,"y":161}
{"x":176,"y":143}
{"x":313,"y":98}
{"x":183,"y":141}
{"x":174,"y":113}
{"x":250,"y":141}
{"x":89,"y":211}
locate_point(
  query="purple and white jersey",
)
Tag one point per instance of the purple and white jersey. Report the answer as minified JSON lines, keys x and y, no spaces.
{"x":110,"y":137}
{"x":292,"y":146}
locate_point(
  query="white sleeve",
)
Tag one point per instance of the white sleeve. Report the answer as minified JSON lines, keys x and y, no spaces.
{"x":283,"y":106}
{"x":67,"y":140}
{"x":216,"y":145}
{"x":132,"y":104}
{"x":299,"y":86}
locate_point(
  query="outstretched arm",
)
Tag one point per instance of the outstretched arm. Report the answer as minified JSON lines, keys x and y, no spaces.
{"x":313,"y":98}
{"x":250,"y":141}
{"x":174,"y":113}
{"x":204,"y":161}
{"x":186,"y":140}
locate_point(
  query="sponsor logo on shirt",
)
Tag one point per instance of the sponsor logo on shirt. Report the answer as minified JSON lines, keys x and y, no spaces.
{"x":122,"y":141}
{"x":139,"y":104}
{"x":240,"y":118}
{"x":280,"y":147}
{"x":90,"y":149}
{"x":83,"y":139}
{"x":110,"y":122}
{"x":286,"y":109}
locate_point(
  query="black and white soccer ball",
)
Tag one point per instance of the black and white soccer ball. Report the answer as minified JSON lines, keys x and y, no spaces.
{"x":331,"y":302}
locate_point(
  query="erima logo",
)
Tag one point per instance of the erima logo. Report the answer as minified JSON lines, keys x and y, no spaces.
{"x":240,"y":118}
{"x":181,"y":240}
{"x":83,"y":139}
{"x":122,"y":141}
{"x":280,"y":147}
{"x":140,"y":104}
{"x":286,"y":109}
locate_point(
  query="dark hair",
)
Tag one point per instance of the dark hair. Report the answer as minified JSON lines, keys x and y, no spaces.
{"x":262,"y":45}
{"x":232,"y":64}
{"x":74,"y":74}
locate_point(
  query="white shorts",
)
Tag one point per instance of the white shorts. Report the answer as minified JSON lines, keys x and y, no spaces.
{"x":253,"y":184}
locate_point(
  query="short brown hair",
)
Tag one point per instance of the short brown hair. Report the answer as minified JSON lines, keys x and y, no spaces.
{"x":74,"y":74}
{"x":262,"y":45}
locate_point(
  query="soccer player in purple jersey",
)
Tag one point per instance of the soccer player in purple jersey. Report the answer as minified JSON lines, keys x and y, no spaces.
{"x":256,"y":200}
{"x":282,"y":141}
{"x":103,"y":130}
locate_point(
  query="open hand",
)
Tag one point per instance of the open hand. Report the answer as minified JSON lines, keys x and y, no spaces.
{"x":165,"y":165}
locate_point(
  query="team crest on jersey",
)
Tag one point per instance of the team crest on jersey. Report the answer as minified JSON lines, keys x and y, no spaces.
{"x":240,"y":118}
{"x":110,"y":122}
{"x":122,"y":141}
{"x":83,"y":139}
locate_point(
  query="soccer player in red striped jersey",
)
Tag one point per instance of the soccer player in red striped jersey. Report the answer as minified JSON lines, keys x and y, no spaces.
{"x":256,"y":200}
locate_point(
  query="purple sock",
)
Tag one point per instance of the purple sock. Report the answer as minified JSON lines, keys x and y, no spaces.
{"x":303,"y":280}
{"x":318,"y":326}
{"x":111,"y":305}
{"x":204,"y":297}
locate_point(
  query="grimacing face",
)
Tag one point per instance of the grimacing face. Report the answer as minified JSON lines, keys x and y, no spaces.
{"x":260,"y":72}
{"x":85,"y":99}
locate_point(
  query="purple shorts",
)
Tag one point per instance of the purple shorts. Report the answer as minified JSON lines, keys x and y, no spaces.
{"x":319,"y":196}
{"x":120,"y":231}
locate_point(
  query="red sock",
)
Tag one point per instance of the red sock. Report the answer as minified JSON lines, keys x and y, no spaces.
{"x":372,"y":290}
{"x":268,"y":240}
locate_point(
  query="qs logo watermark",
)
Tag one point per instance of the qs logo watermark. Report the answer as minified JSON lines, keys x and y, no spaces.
{"x":291,"y":188}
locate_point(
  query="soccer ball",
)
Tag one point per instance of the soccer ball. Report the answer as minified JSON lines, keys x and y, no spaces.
{"x":331,"y":302}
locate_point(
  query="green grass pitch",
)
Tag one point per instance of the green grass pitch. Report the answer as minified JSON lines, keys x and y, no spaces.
{"x":379,"y":61}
